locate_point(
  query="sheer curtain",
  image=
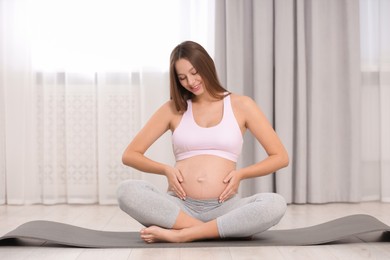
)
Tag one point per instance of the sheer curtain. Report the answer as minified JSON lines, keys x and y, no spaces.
{"x":78,"y":80}
{"x":375,"y":68}
{"x":300,"y":61}
{"x":73,"y":92}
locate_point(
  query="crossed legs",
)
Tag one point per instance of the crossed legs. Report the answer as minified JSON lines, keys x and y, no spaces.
{"x":159,"y":212}
{"x":166,"y":219}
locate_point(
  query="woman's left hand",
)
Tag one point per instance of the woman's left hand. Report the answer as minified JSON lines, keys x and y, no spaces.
{"x":233,"y":182}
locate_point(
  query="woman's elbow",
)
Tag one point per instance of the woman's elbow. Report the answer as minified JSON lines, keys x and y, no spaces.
{"x":284,"y":160}
{"x":131,"y":157}
{"x":127,"y":158}
{"x":124,"y":159}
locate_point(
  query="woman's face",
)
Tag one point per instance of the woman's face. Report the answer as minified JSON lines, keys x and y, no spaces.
{"x":189,"y":78}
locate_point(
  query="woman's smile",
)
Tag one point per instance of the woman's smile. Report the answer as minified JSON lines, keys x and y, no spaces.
{"x":189,"y":77}
{"x":196,"y":88}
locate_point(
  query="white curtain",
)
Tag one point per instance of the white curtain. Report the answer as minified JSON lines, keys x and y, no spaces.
{"x":375,"y":68}
{"x":78,"y":80}
{"x":300,"y":60}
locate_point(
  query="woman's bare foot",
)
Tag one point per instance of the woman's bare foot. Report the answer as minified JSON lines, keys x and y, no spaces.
{"x":155,"y":234}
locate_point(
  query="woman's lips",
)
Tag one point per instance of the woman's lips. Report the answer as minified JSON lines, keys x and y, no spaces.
{"x":196,"y":88}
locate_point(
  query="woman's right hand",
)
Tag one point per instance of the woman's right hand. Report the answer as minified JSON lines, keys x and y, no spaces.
{"x":175,"y":178}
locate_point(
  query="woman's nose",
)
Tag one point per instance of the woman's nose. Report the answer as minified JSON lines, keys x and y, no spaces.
{"x":191,"y":80}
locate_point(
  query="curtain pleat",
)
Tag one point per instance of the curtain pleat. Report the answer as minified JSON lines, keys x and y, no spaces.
{"x":375,"y":80}
{"x":300,"y":62}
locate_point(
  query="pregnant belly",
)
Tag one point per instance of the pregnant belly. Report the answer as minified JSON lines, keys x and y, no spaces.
{"x":203,"y":175}
{"x":203,"y":188}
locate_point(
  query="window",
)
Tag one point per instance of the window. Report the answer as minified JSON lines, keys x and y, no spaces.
{"x":112,"y":35}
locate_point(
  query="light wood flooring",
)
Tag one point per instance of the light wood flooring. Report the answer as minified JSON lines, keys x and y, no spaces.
{"x":111,"y":218}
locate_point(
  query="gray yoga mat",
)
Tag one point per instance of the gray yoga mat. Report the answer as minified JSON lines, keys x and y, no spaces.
{"x":67,"y":235}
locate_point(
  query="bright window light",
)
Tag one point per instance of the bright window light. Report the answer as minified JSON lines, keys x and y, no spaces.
{"x":85,"y":35}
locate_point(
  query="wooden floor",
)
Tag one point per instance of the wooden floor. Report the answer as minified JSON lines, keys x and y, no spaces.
{"x":111,"y":218}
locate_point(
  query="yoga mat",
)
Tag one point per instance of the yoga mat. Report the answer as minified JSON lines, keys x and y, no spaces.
{"x":69,"y":235}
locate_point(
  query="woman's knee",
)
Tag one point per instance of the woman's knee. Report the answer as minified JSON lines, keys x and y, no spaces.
{"x":260,"y":212}
{"x":280,"y":206}
{"x":275,"y":203}
{"x":128,"y":191}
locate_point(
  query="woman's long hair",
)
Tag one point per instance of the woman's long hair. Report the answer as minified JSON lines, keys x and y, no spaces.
{"x":203,"y":64}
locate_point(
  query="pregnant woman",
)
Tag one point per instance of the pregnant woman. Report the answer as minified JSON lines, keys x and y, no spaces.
{"x":207,"y":124}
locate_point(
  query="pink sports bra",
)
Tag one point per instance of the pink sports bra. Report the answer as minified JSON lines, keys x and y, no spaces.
{"x":223,"y":140}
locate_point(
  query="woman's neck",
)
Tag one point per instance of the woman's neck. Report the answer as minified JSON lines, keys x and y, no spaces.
{"x":205,"y":98}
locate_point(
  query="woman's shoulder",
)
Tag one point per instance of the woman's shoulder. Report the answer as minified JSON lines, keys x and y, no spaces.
{"x":242,"y":102}
{"x":169,"y":108}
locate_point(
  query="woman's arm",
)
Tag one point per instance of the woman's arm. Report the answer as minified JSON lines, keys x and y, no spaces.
{"x":250,"y":117}
{"x":157,"y":125}
{"x":134,"y":156}
{"x":262,"y":130}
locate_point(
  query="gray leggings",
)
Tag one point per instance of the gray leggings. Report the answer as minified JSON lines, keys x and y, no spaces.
{"x":235,"y":217}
